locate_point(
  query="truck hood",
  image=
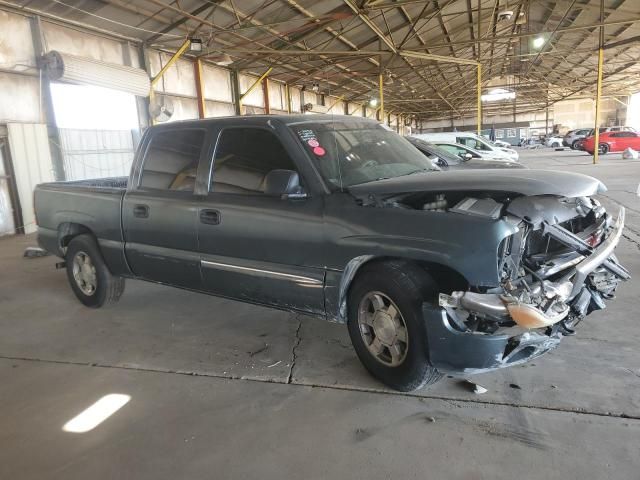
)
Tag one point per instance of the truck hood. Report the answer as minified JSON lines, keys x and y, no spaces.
{"x":485,"y":164}
{"x":518,"y":181}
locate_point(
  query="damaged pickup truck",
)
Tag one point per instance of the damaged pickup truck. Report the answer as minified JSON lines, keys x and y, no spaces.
{"x":433,"y":272}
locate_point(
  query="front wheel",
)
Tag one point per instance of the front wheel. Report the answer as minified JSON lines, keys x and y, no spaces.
{"x":604,"y":148}
{"x":88,"y":275}
{"x":386,"y":326}
{"x":575,"y":145}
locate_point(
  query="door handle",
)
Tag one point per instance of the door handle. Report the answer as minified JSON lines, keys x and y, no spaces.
{"x":210,"y":217}
{"x":141,"y":211}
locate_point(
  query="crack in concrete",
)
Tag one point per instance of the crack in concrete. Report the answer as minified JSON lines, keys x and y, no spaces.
{"x":619,"y":203}
{"x":632,"y":240}
{"x":351,"y":388}
{"x":294,"y":355}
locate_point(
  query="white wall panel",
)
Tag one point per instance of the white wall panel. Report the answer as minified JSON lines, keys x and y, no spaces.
{"x":82,"y":44}
{"x":19,"y":98}
{"x":294,"y":92}
{"x":184,"y":108}
{"x":277,"y":96}
{"x":216,"y":83}
{"x":336,"y":106}
{"x":16,"y":46}
{"x":219,"y":109}
{"x":179,"y":77}
{"x":255,"y":98}
{"x":31,"y":161}
{"x":355,"y":109}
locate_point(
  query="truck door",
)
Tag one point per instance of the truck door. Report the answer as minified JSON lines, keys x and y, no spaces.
{"x":160,"y":210}
{"x":256,"y":247}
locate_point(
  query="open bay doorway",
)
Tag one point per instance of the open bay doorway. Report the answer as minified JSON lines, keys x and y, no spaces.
{"x":98,"y":130}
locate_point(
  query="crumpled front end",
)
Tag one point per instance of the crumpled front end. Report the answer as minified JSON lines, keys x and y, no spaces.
{"x":559,"y":267}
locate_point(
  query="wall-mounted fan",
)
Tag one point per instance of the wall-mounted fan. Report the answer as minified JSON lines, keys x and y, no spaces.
{"x":161,"y":108}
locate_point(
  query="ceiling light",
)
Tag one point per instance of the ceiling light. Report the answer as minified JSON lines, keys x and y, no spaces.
{"x":373,"y":102}
{"x":498,"y":94}
{"x":538,"y":42}
{"x":195,"y":45}
{"x":315,"y":87}
{"x":223,"y":60}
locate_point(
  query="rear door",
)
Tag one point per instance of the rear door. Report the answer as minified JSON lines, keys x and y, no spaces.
{"x":256,"y":247}
{"x":160,"y":211}
{"x":628,"y":140}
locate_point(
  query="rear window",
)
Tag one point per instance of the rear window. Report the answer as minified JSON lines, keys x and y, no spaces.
{"x":172,"y":160}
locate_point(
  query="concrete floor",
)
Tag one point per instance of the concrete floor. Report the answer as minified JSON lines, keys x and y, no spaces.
{"x":220,"y":389}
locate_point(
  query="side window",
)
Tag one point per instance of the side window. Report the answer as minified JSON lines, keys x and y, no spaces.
{"x":172,"y":160}
{"x":244,"y":157}
{"x":453,"y":149}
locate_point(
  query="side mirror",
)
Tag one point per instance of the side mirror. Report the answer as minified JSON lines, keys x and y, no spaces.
{"x":284,"y":183}
{"x":466,"y":156}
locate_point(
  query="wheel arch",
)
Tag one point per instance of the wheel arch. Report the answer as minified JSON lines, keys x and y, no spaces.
{"x":447,"y":278}
{"x":67,"y":231}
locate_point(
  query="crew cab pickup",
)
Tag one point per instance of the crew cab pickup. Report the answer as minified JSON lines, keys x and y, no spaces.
{"x":433,"y":272}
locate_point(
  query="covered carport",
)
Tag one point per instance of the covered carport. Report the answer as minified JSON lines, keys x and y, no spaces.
{"x":174,"y":384}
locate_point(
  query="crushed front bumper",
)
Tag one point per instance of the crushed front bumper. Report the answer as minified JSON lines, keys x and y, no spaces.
{"x":452,"y":350}
{"x":456,"y":352}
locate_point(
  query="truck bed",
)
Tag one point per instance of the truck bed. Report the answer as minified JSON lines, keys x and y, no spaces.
{"x":95,"y":203}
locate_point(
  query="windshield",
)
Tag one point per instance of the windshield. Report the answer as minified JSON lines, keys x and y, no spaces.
{"x":351,"y":152}
{"x":439,"y":152}
{"x":474,"y":143}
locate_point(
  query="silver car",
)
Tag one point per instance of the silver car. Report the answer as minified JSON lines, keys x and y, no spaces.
{"x":573,"y":136}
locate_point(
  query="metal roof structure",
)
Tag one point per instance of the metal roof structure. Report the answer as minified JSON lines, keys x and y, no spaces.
{"x":425,"y":50}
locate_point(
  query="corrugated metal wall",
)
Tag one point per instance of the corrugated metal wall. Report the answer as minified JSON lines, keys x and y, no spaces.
{"x":31,"y":160}
{"x":96,"y":153}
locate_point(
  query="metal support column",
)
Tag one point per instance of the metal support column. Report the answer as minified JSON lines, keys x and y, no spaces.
{"x":596,"y":143}
{"x":265,"y":94}
{"x":202,"y":107}
{"x":381,"y":82}
{"x":287,"y":93}
{"x":235,"y":91}
{"x":479,"y":94}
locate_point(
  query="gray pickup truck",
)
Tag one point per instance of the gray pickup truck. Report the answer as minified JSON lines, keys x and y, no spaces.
{"x":433,"y":272}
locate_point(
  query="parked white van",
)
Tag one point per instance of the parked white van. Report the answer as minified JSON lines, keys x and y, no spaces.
{"x":471,"y":140}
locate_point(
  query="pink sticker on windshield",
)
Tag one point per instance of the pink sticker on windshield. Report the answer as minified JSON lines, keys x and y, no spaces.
{"x":313,"y":143}
{"x":319,"y":151}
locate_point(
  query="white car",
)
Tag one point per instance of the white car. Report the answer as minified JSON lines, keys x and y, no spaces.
{"x":501,"y":144}
{"x":465,"y":152}
{"x":473,"y":141}
{"x":554,"y":141}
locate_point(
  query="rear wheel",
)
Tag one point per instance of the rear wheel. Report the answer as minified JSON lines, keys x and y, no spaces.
{"x":555,"y":145}
{"x":604,"y":148}
{"x":88,"y":275}
{"x":386,"y":325}
{"x":575,"y":145}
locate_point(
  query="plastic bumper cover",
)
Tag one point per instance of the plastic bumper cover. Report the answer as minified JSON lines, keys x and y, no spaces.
{"x":453,"y":351}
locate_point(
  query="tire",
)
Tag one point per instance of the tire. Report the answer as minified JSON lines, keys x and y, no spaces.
{"x":404,"y":287}
{"x":604,"y":148}
{"x":88,"y":275}
{"x":574,"y":145}
{"x":555,"y":145}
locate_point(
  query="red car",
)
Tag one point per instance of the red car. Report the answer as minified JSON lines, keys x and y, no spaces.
{"x":613,"y":142}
